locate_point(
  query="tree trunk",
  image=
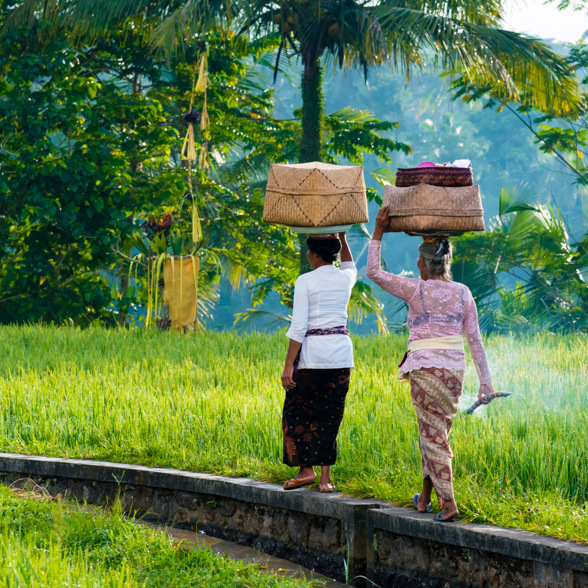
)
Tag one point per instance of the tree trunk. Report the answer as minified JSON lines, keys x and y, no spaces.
{"x":313,"y":111}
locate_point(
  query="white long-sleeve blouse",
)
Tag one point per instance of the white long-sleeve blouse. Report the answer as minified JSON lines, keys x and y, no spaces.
{"x":320,"y":302}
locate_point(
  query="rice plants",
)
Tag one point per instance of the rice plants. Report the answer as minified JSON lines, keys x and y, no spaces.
{"x":212,"y":402}
{"x":45,"y":544}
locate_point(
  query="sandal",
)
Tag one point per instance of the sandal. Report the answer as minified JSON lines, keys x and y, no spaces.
{"x":429,"y":506}
{"x":294,"y":483}
{"x":440,"y":519}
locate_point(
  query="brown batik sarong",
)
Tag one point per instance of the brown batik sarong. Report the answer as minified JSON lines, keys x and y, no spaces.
{"x":313,"y":411}
{"x":435,"y":396}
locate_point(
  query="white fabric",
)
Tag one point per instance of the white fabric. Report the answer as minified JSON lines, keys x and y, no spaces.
{"x":449,"y":342}
{"x":320,"y":301}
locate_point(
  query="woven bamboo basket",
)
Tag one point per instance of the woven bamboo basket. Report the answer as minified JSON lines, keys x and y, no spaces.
{"x":425,"y":208}
{"x":435,"y":176}
{"x":315,"y":195}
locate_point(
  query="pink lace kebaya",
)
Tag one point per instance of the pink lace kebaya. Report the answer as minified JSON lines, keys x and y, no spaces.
{"x":435,"y":309}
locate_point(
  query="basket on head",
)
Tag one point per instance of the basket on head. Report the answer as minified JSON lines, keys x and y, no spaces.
{"x":434,"y":176}
{"x":426,"y":208}
{"x":315,"y":195}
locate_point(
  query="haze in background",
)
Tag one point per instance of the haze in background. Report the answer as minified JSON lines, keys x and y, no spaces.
{"x":537,"y":19}
{"x":503,"y":152}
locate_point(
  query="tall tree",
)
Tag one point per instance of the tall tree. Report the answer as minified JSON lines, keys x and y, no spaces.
{"x":462,"y":37}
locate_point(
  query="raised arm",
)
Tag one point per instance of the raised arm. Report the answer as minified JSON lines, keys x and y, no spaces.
{"x":347,"y":263}
{"x":398,"y":286}
{"x":346,"y":255}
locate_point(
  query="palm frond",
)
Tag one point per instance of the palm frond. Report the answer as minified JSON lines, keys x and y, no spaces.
{"x":384,"y":176}
{"x":89,"y":19}
{"x":349,"y":114}
{"x":208,"y":297}
{"x":516,"y":67}
{"x":364,"y":302}
{"x":253,"y":317}
{"x":270,"y":61}
{"x":24,"y":15}
{"x":188,"y":23}
{"x":514,"y":200}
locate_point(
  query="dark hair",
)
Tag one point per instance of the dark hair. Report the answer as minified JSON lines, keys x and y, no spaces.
{"x":325,"y":248}
{"x":437,"y":255}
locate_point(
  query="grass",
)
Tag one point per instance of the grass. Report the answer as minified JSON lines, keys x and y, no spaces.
{"x":45,"y":543}
{"x":212,"y":403}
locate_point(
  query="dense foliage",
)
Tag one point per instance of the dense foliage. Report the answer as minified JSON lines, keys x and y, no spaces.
{"x":525,"y":273}
{"x":80,"y":147}
{"x":90,"y":152}
{"x":91,"y":129}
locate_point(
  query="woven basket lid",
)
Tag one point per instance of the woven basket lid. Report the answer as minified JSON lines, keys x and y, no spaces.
{"x":315,"y":177}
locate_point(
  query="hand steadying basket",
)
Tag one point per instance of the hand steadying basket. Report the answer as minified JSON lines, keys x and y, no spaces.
{"x":424,"y":208}
{"x":315,"y":195}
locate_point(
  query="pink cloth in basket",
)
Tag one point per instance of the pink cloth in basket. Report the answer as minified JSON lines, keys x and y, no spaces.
{"x":435,"y":309}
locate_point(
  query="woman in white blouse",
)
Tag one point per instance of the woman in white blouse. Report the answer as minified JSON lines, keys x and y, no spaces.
{"x":318,"y":363}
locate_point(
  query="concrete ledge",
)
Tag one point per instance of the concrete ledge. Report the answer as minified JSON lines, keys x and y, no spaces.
{"x":393,"y":546}
{"x":301,"y":500}
{"x":407,"y":548}
{"x":510,"y":542}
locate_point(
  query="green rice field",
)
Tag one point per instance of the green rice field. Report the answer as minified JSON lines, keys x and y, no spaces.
{"x":46,"y":544}
{"x":211,"y":402}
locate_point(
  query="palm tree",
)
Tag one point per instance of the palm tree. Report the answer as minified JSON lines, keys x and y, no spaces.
{"x":462,"y":37}
{"x":536,"y":252}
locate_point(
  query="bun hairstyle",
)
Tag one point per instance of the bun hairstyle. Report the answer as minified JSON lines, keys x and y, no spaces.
{"x":325,"y":248}
{"x":437,"y":255}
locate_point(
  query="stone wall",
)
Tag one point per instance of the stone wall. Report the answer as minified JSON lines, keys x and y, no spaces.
{"x":407,"y":549}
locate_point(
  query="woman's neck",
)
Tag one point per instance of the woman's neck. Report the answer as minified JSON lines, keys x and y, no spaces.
{"x":436,"y":278}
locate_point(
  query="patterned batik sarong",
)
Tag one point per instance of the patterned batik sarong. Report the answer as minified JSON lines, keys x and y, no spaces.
{"x":435,"y":396}
{"x":313,"y":411}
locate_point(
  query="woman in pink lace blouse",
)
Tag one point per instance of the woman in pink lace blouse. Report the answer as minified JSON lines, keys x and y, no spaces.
{"x":440,"y":311}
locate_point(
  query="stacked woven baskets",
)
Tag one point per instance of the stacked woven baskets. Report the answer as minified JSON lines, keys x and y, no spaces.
{"x":434,"y":200}
{"x":315,"y":197}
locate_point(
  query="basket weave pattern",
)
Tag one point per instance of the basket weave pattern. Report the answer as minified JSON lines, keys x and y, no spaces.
{"x":434,"y":208}
{"x":315,"y":195}
{"x":434,"y":176}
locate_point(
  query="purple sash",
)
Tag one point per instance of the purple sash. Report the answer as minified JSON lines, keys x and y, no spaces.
{"x":341,"y":330}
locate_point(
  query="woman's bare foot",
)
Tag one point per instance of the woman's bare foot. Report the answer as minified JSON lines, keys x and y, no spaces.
{"x":325,"y":484}
{"x":424,"y":498}
{"x":422,"y":504}
{"x":449,"y":511}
